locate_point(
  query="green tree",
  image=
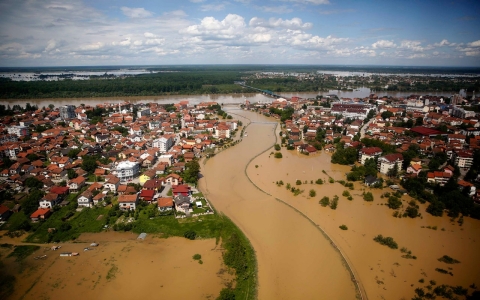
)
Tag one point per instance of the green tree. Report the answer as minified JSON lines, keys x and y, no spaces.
{"x":192,"y":170}
{"x":386,"y":115}
{"x":31,"y":202}
{"x":436,"y":208}
{"x":325,"y":201}
{"x":72,"y":174}
{"x":393,"y":202}
{"x":33,"y":183}
{"x":419,"y":121}
{"x":345,"y":156}
{"x":89,"y":163}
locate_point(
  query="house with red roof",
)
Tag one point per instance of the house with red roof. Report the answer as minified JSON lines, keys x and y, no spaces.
{"x":147,"y":195}
{"x":438,"y":177}
{"x":181,"y":189}
{"x":40,"y":214}
{"x":5,"y":213}
{"x":128,"y":202}
{"x":76,"y":184}
{"x":165,"y":204}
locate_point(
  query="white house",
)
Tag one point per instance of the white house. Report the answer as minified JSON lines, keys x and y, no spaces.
{"x":85,"y":199}
{"x":128,"y":202}
{"x":49,"y":200}
{"x":112,"y":183}
{"x":163,"y":143}
{"x":126,"y":170}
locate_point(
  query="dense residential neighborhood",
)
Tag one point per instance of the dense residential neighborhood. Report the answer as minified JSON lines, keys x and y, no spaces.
{"x":430,"y":145}
{"x":125,"y":155}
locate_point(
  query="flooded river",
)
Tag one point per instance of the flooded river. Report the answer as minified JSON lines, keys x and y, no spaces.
{"x":295,"y":260}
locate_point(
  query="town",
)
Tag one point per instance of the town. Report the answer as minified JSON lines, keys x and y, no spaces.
{"x":131,"y":156}
{"x":125,"y":155}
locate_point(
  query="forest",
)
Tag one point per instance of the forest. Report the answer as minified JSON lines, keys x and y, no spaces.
{"x":220,"y":79}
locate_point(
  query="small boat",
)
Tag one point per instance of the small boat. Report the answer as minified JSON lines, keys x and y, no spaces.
{"x":69,"y":254}
{"x":56,"y":247}
{"x":94,"y":245}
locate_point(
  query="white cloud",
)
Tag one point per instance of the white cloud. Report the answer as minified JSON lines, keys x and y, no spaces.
{"x":125,"y":42}
{"x":154,"y":41}
{"x":444,"y":42}
{"x":473,"y":53}
{"x":149,"y":35}
{"x":229,"y":28}
{"x":50,"y":45}
{"x":261,"y":38}
{"x":382,"y":44}
{"x":295,"y":23}
{"x":139,"y":12}
{"x":417,"y":55}
{"x":412,"y":45}
{"x":94,"y":46}
{"x":197,"y":1}
{"x":474,"y":44}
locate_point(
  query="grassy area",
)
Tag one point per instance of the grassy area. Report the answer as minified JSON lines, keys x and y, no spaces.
{"x":69,"y":224}
{"x":22,"y":252}
{"x":209,"y":227}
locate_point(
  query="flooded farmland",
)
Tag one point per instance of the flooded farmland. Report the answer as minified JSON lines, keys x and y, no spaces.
{"x":382,"y":271}
{"x":121,"y":267}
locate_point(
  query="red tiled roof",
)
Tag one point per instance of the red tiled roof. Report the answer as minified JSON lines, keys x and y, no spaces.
{"x":165,"y":202}
{"x":40,"y":212}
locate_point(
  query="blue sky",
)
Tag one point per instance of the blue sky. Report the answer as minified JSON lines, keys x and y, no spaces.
{"x":346,"y":32}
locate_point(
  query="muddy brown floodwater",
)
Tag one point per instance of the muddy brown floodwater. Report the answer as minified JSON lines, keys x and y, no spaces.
{"x":121,"y":267}
{"x":382,"y":271}
{"x":295,"y":260}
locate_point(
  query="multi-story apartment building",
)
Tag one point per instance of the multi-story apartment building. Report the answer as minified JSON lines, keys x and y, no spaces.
{"x":67,"y":112}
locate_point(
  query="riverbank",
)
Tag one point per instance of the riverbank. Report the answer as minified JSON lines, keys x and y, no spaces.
{"x":382,"y":271}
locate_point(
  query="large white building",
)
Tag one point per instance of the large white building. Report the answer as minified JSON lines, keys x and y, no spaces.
{"x":19,"y":131}
{"x":67,"y":112}
{"x":163,"y":143}
{"x":127,"y":170}
{"x":390,"y":161}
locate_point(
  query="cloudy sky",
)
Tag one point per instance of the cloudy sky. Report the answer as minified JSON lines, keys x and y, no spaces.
{"x":146,"y":32}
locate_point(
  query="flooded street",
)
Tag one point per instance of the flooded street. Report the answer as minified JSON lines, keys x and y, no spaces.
{"x":382,"y":271}
{"x":295,"y":261}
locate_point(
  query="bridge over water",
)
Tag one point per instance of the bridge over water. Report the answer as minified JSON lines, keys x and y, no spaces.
{"x":265,"y":92}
